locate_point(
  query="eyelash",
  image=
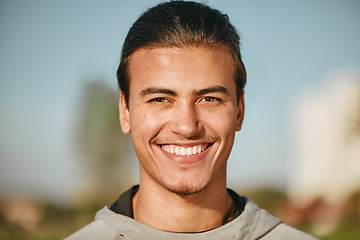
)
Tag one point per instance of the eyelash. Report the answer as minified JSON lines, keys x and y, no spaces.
{"x":205,"y":99}
{"x":158,"y":100}
{"x":212,"y":99}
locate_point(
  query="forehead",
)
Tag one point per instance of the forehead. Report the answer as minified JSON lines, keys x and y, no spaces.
{"x":186,"y":51}
{"x":195,"y":63}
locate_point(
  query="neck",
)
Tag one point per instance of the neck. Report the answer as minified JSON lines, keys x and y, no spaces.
{"x":161,"y":209}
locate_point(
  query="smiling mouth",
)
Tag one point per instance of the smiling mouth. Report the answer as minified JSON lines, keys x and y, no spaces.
{"x":185,"y":151}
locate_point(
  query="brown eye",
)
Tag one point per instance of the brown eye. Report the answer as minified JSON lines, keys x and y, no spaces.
{"x":158,"y":100}
{"x":211,"y":99}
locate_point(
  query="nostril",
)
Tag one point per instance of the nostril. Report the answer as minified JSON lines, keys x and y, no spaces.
{"x":186,"y":125}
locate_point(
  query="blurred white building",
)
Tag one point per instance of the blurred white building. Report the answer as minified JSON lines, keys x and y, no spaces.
{"x":325,"y":156}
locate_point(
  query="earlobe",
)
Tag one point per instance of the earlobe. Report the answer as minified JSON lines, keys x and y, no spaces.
{"x":124,"y":115}
{"x":240,"y":112}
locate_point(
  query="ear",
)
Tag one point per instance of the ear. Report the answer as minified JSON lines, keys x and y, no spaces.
{"x":124,"y":114}
{"x":240,"y":112}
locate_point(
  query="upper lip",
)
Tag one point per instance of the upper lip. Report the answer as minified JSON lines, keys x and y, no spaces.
{"x":185,"y":144}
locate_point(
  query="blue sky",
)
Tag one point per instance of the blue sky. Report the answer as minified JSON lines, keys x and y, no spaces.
{"x":50,"y":49}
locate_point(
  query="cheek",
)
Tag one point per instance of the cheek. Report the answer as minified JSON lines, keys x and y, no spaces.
{"x":222,"y":122}
{"x":145,"y":124}
{"x":143,"y":130}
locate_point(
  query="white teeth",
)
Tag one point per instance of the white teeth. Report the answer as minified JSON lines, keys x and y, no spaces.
{"x":188,"y":151}
{"x":194,"y":150}
{"x":182,"y":151}
{"x":172,"y":150}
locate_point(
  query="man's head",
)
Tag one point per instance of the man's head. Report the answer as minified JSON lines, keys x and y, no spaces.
{"x":181,"y":24}
{"x":179,"y":98}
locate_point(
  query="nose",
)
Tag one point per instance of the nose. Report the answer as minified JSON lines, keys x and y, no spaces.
{"x":185,"y":121}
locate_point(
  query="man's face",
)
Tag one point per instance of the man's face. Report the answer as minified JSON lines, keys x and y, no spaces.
{"x":182,"y":116}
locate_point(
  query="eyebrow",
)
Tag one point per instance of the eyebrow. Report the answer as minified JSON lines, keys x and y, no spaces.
{"x":215,"y":89}
{"x":151,"y":90}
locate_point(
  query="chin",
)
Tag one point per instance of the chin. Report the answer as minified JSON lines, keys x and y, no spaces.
{"x":186,"y":188}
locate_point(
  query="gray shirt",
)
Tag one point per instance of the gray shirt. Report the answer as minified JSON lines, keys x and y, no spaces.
{"x":253,"y":223}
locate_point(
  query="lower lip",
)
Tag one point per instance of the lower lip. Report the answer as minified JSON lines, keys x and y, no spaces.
{"x":192,"y":159}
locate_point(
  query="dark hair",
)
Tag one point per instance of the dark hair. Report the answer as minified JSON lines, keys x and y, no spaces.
{"x":181,"y":24}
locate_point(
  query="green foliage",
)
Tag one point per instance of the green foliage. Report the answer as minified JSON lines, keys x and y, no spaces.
{"x":105,"y":149}
{"x":266,"y":198}
{"x":275,"y":201}
{"x":56,"y":222}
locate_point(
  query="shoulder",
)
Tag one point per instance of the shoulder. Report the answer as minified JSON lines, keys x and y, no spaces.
{"x":283,"y":231}
{"x":264,"y":226}
{"x":96,"y":230}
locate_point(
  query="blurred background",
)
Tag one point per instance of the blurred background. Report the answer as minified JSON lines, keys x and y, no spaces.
{"x":62,"y":153}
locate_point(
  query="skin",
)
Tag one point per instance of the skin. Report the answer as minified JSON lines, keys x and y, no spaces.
{"x":182,"y":115}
